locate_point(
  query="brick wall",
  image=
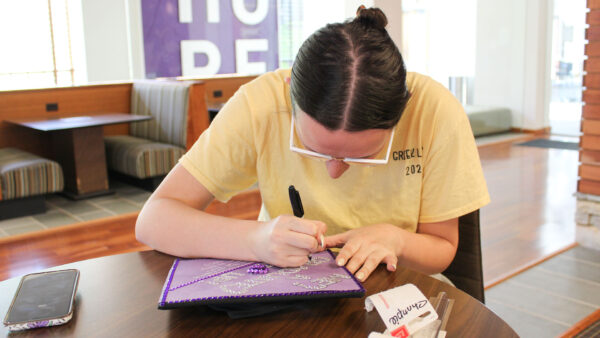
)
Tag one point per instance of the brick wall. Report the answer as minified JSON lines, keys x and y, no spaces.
{"x":588,"y":187}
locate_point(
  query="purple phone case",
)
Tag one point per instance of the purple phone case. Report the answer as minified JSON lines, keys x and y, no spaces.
{"x":46,"y":322}
{"x":207,"y":281}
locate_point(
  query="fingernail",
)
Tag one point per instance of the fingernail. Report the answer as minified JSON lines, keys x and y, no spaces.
{"x":322,"y":241}
{"x":340,"y":262}
{"x":360,"y":276}
{"x":393,"y":267}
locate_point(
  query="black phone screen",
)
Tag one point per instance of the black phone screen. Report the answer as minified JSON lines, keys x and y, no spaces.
{"x":41,"y":296}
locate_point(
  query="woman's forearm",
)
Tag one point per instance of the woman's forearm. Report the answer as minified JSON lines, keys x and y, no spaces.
{"x":424,"y":252}
{"x":170,"y":226}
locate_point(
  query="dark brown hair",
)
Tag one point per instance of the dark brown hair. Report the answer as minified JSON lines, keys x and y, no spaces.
{"x":351,"y":75}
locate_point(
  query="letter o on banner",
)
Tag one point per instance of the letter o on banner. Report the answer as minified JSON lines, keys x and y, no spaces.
{"x":189,"y":48}
{"x":250,"y":18}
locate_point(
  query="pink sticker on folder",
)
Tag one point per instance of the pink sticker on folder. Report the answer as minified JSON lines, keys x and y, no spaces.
{"x":206,"y":281}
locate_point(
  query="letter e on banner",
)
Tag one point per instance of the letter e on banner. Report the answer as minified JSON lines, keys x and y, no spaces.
{"x":242,"y":48}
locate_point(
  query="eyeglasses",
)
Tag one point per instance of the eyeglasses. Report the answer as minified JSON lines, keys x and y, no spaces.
{"x":347,"y":160}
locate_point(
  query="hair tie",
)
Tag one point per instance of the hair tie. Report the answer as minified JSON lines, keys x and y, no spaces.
{"x":360,"y":8}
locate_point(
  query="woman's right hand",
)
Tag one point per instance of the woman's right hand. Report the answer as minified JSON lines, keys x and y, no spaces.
{"x":286,"y":241}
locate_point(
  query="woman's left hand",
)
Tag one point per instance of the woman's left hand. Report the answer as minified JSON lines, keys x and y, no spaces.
{"x":364,"y":248}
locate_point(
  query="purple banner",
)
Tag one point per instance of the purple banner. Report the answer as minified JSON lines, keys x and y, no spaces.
{"x":201,"y":38}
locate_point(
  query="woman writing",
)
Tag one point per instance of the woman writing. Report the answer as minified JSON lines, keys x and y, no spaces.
{"x":385,"y":162}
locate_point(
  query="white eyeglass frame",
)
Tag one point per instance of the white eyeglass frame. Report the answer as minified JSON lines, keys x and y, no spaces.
{"x":348,"y":160}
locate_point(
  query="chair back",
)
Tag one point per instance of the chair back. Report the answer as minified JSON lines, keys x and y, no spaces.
{"x":167,"y":102}
{"x":466,"y":271}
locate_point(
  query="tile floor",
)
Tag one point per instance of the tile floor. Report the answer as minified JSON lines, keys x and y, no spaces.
{"x":63,"y":211}
{"x":551,"y":297}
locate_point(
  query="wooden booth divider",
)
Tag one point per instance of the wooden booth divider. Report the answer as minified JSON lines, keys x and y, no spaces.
{"x":220,"y":88}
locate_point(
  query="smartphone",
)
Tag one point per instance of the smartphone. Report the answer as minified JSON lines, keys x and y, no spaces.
{"x":43,"y":299}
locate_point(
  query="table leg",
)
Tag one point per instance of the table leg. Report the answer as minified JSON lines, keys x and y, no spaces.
{"x":81,"y":154}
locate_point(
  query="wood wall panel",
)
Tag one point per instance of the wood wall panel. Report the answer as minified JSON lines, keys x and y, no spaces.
{"x":227,"y":87}
{"x":590,"y":142}
{"x":592,"y":49}
{"x":72,"y":101}
{"x":588,"y":187}
{"x":221,"y":87}
{"x":589,"y":171}
{"x":592,"y":17}
{"x":590,"y":127}
{"x":589,"y":156}
{"x":592,"y":65}
{"x":593,"y":34}
{"x":591,"y":96}
{"x":591,"y":112}
{"x":593,"y":4}
{"x":592,"y":80}
{"x":198,"y":119}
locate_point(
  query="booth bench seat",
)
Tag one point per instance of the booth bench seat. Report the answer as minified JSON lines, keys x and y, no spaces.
{"x":489,"y":120}
{"x":153,"y":147}
{"x":24,"y":180}
{"x":139,"y":157}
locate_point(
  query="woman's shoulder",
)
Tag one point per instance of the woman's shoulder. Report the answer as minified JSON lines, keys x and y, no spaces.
{"x":264,"y":101}
{"x":431,"y":103}
{"x":269,"y":92}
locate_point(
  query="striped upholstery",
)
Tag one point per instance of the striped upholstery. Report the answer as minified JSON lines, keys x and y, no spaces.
{"x":167,"y":102}
{"x":140,"y":157}
{"x":23,"y":174}
{"x":153,"y":147}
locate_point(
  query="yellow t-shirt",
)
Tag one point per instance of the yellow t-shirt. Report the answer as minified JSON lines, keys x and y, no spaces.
{"x":433,"y":174}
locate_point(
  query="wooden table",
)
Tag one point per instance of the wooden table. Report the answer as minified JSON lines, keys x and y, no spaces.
{"x":78,"y":144}
{"x":118,"y":297}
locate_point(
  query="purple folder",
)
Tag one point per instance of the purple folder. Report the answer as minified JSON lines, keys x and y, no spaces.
{"x":207,"y":281}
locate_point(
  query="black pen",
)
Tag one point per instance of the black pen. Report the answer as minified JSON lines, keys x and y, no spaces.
{"x":296,"y":202}
{"x":298,"y":209}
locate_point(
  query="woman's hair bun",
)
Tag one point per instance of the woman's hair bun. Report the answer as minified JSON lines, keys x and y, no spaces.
{"x":371,"y":17}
